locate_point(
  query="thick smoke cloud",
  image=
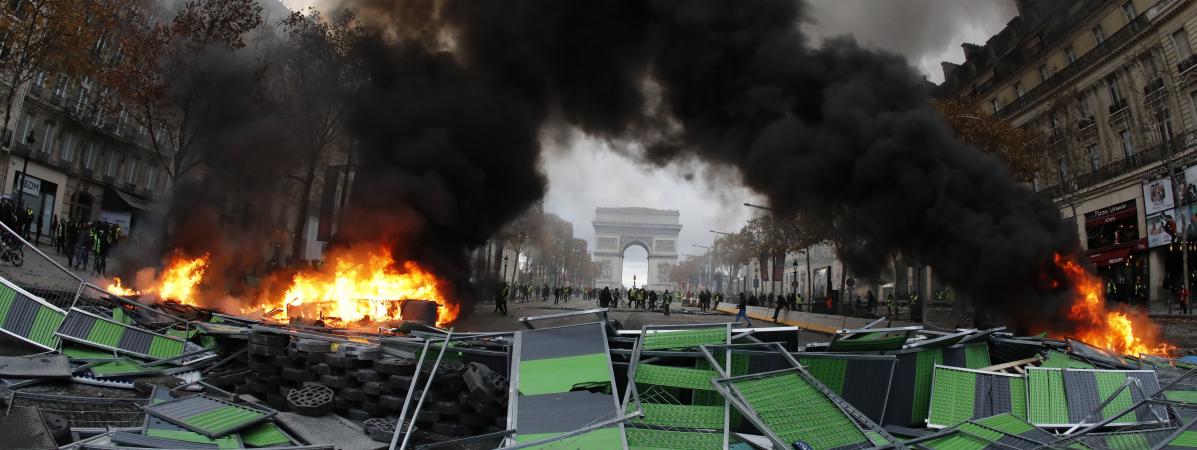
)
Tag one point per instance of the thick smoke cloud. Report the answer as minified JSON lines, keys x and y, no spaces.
{"x":838,"y":132}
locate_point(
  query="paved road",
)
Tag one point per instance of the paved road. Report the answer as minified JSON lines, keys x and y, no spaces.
{"x":484,"y":318}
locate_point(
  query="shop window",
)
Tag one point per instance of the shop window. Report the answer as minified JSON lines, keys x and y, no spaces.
{"x":1114,"y":233}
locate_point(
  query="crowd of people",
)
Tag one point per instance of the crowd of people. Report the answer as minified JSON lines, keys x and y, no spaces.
{"x":81,"y":241}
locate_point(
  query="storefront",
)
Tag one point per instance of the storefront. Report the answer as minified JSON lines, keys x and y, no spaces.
{"x":1118,"y":252}
{"x":37,"y":195}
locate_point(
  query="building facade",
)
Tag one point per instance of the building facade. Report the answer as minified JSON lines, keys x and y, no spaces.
{"x":1110,"y":86}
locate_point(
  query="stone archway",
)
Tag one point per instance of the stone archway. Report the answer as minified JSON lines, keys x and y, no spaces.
{"x":617,"y":229}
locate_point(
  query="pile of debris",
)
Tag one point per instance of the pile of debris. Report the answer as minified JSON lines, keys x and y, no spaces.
{"x":91,"y":370}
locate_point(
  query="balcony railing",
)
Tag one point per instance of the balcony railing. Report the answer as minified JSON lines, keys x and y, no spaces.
{"x":1085,"y":122}
{"x":1114,"y":169}
{"x":1187,"y":64}
{"x":1122,"y":36}
{"x":1117,"y":106}
{"x":1153,"y":85}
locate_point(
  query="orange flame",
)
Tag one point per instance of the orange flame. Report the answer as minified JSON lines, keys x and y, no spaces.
{"x":360,"y":286}
{"x":116,"y":288}
{"x":178,"y":281}
{"x":1122,"y":331}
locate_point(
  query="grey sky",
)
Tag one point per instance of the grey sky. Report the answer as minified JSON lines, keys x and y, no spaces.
{"x":585,"y":174}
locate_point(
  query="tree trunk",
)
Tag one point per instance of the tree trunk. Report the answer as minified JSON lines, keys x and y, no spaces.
{"x":305,"y":201}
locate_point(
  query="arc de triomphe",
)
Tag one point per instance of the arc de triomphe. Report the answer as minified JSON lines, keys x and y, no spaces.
{"x":616,"y":229}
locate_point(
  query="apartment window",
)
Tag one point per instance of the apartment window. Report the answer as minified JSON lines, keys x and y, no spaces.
{"x":1083,"y":106}
{"x":993,"y":103}
{"x":1128,"y":8}
{"x":1094,"y":157}
{"x":40,"y":79}
{"x":68,"y":147}
{"x":60,"y":85}
{"x":1150,"y":70}
{"x":1164,"y":119}
{"x":47,"y":137}
{"x":84,"y":90}
{"x":1184,"y":49}
{"x":110,"y":168}
{"x":131,"y":171}
{"x":1099,"y":35}
{"x":1128,"y":147}
{"x":89,"y":156}
{"x":1115,"y":90}
{"x":1070,"y":54}
{"x":1043,"y":75}
{"x":1062,"y":169}
{"x":151,"y":177}
{"x":1053,"y":120}
{"x":26,"y":129}
{"x":1018,"y":89}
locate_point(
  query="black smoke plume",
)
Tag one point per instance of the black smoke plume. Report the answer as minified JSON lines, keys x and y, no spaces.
{"x":461,"y":89}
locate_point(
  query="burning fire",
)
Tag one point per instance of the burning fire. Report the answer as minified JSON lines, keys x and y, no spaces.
{"x":1122,"y":331}
{"x":116,"y":288}
{"x":177,"y":282}
{"x":353,"y":286}
{"x":356,"y":286}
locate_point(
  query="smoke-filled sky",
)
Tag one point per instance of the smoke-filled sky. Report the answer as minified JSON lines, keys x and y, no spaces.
{"x":582,"y":177}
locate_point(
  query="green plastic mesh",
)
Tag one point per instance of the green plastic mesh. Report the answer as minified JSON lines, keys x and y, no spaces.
{"x":828,"y":371}
{"x":1006,"y":423}
{"x":1058,"y":360}
{"x":1048,"y":402}
{"x":678,"y":339}
{"x":976,"y":356}
{"x":1107,"y":383}
{"x":871,"y":341}
{"x":953,"y":396}
{"x":924,"y":367}
{"x":796,"y":411}
{"x":1127,"y":441}
{"x":1185,"y":439}
{"x":686,"y":416}
{"x":680,"y":377}
{"x":643,"y":438}
{"x":1018,"y":397}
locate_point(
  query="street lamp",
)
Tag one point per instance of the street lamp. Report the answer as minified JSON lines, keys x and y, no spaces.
{"x":504,"y":268}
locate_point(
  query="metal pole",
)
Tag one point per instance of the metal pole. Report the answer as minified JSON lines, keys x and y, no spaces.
{"x":424,"y":393}
{"x":1184,"y":240}
{"x":411,"y":389}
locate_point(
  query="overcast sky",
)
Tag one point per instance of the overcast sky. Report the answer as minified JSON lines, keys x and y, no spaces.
{"x":585,"y":174}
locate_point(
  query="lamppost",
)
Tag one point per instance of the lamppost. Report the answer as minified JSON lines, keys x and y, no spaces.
{"x":633,"y":281}
{"x":708,"y":256}
{"x":715,"y":248}
{"x":504,"y":268}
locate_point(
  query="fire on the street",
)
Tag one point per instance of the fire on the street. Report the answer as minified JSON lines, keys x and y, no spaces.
{"x":353,"y":287}
{"x":1122,"y":331}
{"x":356,"y":286}
{"x":178,"y":281}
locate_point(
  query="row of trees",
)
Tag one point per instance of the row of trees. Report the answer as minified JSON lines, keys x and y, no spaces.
{"x":547,"y":251}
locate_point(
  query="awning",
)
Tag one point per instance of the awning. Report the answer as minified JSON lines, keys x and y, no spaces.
{"x":1112,"y":256}
{"x":132,"y":201}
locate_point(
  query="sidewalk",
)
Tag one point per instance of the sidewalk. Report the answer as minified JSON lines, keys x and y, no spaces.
{"x":823,"y":323}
